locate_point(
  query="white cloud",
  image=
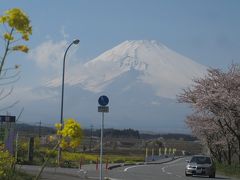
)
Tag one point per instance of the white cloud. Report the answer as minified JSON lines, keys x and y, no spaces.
{"x":49,"y":57}
{"x":29,"y":94}
{"x":63,"y":32}
{"x":49,"y":54}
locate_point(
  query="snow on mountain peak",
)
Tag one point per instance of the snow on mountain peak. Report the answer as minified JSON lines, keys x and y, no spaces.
{"x":160,"y":68}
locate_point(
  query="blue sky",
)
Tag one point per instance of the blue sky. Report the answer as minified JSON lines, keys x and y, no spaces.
{"x":205,"y":31}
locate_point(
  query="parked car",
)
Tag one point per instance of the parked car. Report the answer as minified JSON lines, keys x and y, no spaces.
{"x":201,"y":165}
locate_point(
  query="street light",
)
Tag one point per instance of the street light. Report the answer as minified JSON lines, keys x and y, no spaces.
{"x":76,"y":41}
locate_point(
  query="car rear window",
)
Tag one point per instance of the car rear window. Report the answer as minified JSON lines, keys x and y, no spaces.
{"x":201,"y":160}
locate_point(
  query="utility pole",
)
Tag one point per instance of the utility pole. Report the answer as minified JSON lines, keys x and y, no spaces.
{"x":90,"y":145}
{"x":16,"y":148}
{"x":39,"y":129}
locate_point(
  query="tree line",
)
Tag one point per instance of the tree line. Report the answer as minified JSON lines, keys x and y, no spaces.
{"x":36,"y":130}
{"x":114,"y":133}
{"x":215,"y":100}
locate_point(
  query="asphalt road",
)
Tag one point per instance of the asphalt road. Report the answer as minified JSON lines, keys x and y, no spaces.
{"x":173,"y":170}
{"x":168,"y":171}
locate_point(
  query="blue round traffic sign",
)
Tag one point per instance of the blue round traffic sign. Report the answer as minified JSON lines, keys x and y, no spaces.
{"x":103,"y":100}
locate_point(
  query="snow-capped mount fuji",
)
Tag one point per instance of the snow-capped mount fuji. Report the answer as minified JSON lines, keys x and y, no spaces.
{"x":141,"y":79}
{"x":155,"y":65}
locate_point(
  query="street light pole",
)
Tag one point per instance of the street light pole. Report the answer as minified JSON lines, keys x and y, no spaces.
{"x":62,"y":98}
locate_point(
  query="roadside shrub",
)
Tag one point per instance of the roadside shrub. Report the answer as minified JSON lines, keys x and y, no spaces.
{"x":6,"y":163}
{"x":230,"y":170}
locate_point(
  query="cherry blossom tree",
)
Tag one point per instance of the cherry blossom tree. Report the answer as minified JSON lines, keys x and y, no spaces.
{"x":217,"y":95}
{"x":217,"y":139}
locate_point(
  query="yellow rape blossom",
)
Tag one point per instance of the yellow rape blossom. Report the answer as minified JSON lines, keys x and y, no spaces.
{"x":51,"y":138}
{"x":58,"y":126}
{"x":20,"y":48}
{"x":18,"y":20}
{"x":64,"y":144}
{"x":3,"y":19}
{"x":8,"y":36}
{"x":16,"y":26}
{"x":19,"y":28}
{"x":6,"y":161}
{"x":71,"y":133}
{"x":25,"y":36}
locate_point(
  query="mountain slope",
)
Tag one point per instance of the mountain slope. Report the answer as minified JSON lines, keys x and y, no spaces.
{"x":160,"y":68}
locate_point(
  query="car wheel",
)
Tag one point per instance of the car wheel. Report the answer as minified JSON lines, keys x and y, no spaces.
{"x":187,"y":174}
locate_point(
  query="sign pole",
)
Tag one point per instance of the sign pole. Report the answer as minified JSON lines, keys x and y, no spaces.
{"x":101,"y":150}
{"x":103,"y":101}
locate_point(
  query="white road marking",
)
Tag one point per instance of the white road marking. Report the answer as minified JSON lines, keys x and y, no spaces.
{"x":179,"y":176}
{"x":126,"y":169}
{"x":170,"y":164}
{"x":163,"y":169}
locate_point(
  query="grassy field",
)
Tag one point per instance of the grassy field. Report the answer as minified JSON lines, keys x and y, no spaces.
{"x":74,"y":159}
{"x":88,"y":158}
{"x":18,"y":175}
{"x":229,"y":170}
